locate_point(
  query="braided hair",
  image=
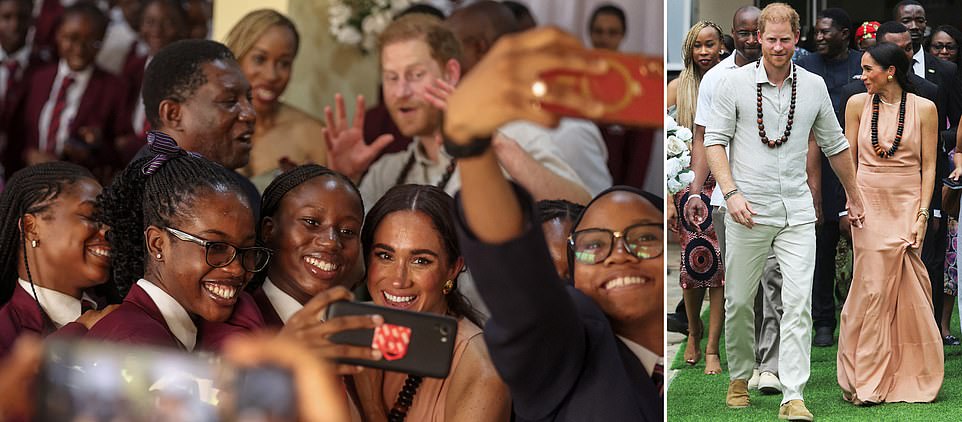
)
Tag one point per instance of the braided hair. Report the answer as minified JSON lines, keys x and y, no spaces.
{"x":135,"y":201}
{"x":286,"y":182}
{"x":439,"y":207}
{"x":31,"y":190}
{"x":551,"y":209}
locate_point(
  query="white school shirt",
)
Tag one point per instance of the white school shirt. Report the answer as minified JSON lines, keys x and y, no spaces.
{"x":74,"y":95}
{"x":60,"y":307}
{"x":176,"y":317}
{"x":648,"y":358}
{"x":22,"y":57}
{"x":283,"y":303}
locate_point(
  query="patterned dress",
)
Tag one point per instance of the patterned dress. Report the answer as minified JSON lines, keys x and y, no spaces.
{"x":701,"y":263}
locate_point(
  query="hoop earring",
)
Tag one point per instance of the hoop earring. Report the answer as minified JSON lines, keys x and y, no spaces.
{"x":448,"y":287}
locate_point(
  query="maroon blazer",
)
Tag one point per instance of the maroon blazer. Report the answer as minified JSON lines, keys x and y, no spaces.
{"x":45,"y":28}
{"x":101,"y":107}
{"x":629,"y":153}
{"x":8,"y":113}
{"x":245,"y":319}
{"x":136,"y":321}
{"x":267,"y":309}
{"x":21,"y":314}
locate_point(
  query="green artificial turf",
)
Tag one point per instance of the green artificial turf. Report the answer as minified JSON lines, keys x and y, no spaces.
{"x":694,"y":396}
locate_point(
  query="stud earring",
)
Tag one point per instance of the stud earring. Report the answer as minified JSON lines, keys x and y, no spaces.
{"x":33,"y":243}
{"x":158,"y":256}
{"x":890,"y":77}
{"x":448,"y":286}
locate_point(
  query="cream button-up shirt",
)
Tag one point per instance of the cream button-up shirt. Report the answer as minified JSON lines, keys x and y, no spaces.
{"x":773,"y":180}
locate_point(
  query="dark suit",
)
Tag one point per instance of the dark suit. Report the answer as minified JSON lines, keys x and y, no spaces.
{"x":136,"y":321}
{"x":245,"y":319}
{"x":944,"y":75}
{"x":101,"y":107}
{"x":836,"y":74}
{"x":933,"y":247}
{"x":550,"y":343}
{"x":21,"y":314}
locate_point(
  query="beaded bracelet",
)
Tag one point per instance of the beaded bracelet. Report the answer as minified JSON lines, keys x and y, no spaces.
{"x":731,"y":193}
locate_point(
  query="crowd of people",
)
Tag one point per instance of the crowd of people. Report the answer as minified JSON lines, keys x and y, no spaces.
{"x":814,"y":169}
{"x":156,"y":191}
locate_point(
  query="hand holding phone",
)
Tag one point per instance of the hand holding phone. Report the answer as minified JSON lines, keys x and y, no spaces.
{"x":628,"y":90}
{"x":952,"y":184}
{"x":417,"y":343}
{"x":306,"y":326}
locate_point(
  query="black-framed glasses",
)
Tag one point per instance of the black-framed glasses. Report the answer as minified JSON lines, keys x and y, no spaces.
{"x":221,"y":254}
{"x":948,"y":47}
{"x":644,"y":241}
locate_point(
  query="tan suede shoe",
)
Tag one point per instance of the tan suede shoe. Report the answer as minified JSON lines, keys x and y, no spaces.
{"x":795,"y":410}
{"x":737,"y":397}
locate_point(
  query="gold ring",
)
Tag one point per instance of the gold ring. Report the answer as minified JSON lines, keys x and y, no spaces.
{"x":539,"y":89}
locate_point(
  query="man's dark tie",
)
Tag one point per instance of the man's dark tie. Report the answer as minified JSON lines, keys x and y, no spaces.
{"x":12,"y":67}
{"x":58,"y":108}
{"x":658,"y":377}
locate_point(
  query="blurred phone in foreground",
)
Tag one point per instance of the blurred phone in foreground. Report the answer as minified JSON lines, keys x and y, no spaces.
{"x":416,"y":343}
{"x":88,"y":381}
{"x":632,"y":90}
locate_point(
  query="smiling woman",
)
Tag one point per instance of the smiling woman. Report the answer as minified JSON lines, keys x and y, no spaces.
{"x":265,"y":43}
{"x":413,"y":263}
{"x":182,"y":256}
{"x":55,"y":251}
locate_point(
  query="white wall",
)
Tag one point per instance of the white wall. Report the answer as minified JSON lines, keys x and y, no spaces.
{"x":645,"y":20}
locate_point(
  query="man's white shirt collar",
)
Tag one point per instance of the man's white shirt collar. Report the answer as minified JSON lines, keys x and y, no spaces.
{"x":648,"y":358}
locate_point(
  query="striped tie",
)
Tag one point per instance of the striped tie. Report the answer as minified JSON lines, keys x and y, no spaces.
{"x":55,"y":118}
{"x":658,"y":377}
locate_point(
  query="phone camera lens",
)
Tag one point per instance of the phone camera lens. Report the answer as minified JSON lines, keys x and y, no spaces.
{"x":444,"y":330}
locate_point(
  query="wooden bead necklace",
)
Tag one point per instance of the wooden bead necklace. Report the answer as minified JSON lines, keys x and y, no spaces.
{"x":404,"y":399}
{"x":791,"y":113}
{"x":881,"y":152}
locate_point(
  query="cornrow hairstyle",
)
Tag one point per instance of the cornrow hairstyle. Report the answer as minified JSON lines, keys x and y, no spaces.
{"x":437,"y":206}
{"x":135,"y":201}
{"x":286,"y":182}
{"x":176,"y":72}
{"x":31,"y":190}
{"x":551,"y":209}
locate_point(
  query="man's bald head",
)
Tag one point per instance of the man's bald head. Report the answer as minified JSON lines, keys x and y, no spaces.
{"x":745,"y":13}
{"x":478,"y":26}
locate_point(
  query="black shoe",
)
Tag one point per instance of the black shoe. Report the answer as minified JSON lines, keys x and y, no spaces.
{"x":950,"y":340}
{"x":676,"y":325}
{"x":824,"y":336}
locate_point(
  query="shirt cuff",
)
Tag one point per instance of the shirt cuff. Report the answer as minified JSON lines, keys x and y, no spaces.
{"x":843,"y":213}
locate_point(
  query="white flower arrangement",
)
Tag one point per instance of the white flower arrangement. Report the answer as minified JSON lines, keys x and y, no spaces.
{"x":358,"y":23}
{"x":677,"y":165}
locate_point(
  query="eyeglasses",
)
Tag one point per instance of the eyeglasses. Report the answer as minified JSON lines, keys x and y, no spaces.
{"x":643,"y":241}
{"x":949,"y":47}
{"x":221,"y":254}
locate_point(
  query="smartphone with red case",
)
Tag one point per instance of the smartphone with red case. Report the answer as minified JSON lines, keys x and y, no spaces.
{"x":632,"y":89}
{"x":416,"y":343}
